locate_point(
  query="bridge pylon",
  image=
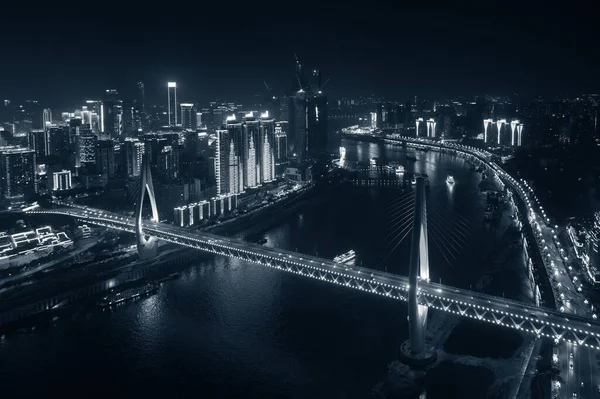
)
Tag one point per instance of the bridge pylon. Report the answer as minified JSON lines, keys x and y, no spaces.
{"x":147,"y":246}
{"x":415,"y":351}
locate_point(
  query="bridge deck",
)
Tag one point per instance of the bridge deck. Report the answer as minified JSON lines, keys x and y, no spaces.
{"x":541,"y":322}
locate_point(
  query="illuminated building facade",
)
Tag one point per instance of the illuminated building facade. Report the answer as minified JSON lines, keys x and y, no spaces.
{"x":17,"y":173}
{"x":134,"y":153}
{"x":487,"y":125}
{"x":418,"y":123}
{"x":87,"y":149}
{"x":46,"y":118}
{"x":431,"y":124}
{"x":172,"y":103}
{"x":61,"y":180}
{"x":188,"y":116}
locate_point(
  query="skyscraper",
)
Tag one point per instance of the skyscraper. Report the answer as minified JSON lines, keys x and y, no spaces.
{"x":188,"y":116}
{"x":105,"y":158}
{"x":267,"y":135}
{"x":252,"y":151}
{"x":17,"y":173}
{"x":46,"y":118}
{"x":172,"y":103}
{"x":281,"y":146}
{"x":298,"y":125}
{"x":112,"y":114}
{"x":86,"y":150}
{"x":228,"y":158}
{"x":317,"y":124}
{"x":140,"y":108}
{"x":134,"y":151}
{"x":37,"y":142}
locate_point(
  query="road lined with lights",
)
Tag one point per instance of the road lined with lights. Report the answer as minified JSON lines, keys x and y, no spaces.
{"x":541,"y":322}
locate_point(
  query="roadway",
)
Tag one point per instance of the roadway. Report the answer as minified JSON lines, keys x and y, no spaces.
{"x":580,"y":374}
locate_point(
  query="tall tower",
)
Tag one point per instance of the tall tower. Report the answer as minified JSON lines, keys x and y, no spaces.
{"x":519,"y":132}
{"x":486,"y":127}
{"x":415,"y":351}
{"x":47,"y":118}
{"x":140,"y":107}
{"x":172,"y":103}
{"x":431,"y":127}
{"x":499,"y":124}
{"x":418,"y":123}
{"x":513,"y":126}
{"x":188,"y":116}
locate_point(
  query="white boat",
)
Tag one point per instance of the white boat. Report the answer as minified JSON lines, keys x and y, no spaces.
{"x":345,"y":257}
{"x":399,"y":169}
{"x":450,"y":179}
{"x":413,"y":181}
{"x":374,"y":161}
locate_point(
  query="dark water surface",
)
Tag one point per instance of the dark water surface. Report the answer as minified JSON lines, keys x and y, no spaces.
{"x":233,"y":329}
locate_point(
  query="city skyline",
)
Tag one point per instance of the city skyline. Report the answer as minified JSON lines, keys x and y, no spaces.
{"x":241,"y":200}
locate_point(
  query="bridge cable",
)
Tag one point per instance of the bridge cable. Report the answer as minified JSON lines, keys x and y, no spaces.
{"x":451,"y":233}
{"x":408,"y":219}
{"x":443,"y":253}
{"x":443,"y":214}
{"x":398,"y":216}
{"x":451,"y":225}
{"x":462,"y":222}
{"x":459,"y":237}
{"x":408,"y":206}
{"x":454,"y":249}
{"x":401,"y":201}
{"x":439,"y":236}
{"x":134,"y":193}
{"x":443,"y":242}
{"x":457,"y":217}
{"x":406,"y":232}
{"x":458,"y":234}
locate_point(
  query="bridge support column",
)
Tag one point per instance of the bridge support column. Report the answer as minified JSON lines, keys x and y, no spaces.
{"x":147,"y":246}
{"x":415,"y":352}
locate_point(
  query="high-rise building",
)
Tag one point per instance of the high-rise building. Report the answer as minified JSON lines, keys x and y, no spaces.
{"x":228,"y":158}
{"x":281,"y":146}
{"x":61,"y":180}
{"x":59,"y":143}
{"x":17,"y":173}
{"x":267,"y":166}
{"x":133,"y":151}
{"x":298,"y":120}
{"x":112,"y":115}
{"x":188,"y":116}
{"x":172,"y":103}
{"x":46,"y":118}
{"x":86,"y":150}
{"x":129,"y":118}
{"x":251,"y":151}
{"x":167,"y":163}
{"x":317,"y":124}
{"x":140,"y":108}
{"x":105,"y":158}
{"x":37,"y":142}
{"x":96,"y":109}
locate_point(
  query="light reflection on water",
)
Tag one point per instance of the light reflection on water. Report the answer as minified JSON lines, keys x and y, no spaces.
{"x":228,"y":328}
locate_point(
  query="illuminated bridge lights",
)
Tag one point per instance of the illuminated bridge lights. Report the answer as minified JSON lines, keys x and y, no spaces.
{"x":485,"y":308}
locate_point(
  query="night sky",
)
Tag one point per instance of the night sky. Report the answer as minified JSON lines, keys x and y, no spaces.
{"x":61,"y":57}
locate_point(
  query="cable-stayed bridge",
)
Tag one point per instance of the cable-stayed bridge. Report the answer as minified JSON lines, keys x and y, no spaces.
{"x":416,"y":289}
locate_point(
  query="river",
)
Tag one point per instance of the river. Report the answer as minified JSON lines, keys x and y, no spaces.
{"x":228,"y":328}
